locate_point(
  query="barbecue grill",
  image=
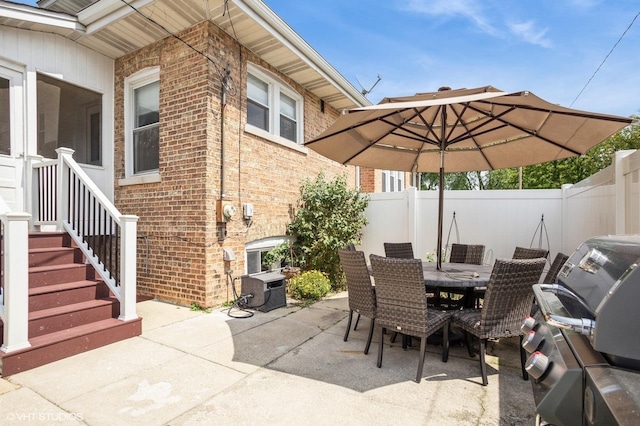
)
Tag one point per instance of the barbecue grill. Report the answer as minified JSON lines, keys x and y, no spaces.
{"x":584,"y":340}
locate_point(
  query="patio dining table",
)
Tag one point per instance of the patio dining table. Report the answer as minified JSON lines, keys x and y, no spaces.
{"x":463,"y":276}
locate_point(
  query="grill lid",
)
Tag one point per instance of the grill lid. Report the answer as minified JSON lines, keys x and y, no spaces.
{"x":594,"y":268}
{"x":604,"y":277}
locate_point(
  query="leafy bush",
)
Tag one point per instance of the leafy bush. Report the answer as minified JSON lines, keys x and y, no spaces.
{"x":329,"y":216}
{"x":311,"y":285}
{"x":279,"y":254}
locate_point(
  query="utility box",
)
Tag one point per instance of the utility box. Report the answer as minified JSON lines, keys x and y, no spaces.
{"x":268,"y":289}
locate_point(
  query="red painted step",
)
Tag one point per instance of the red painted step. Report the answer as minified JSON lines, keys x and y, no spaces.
{"x":63,"y":344}
{"x":70,"y":309}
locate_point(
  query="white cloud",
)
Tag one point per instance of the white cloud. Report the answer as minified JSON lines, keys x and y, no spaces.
{"x":469,"y":9}
{"x":529,"y":33}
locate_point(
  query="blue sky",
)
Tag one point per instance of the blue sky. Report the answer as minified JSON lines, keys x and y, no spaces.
{"x":549,"y":47}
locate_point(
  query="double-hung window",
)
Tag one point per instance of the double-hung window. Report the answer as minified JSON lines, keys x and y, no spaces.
{"x":392,"y":181}
{"x":274,"y":110}
{"x":142,"y":123}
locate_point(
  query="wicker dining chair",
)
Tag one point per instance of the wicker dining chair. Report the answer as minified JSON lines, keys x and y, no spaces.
{"x":529,"y":253}
{"x":402,"y":305}
{"x":399,"y":250}
{"x":362,"y":295}
{"x":552,"y":273}
{"x":506,"y":302}
{"x":461,"y":253}
{"x":467,"y":253}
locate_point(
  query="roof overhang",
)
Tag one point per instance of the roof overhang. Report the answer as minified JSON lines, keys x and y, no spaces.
{"x":36,"y":19}
{"x":113,"y":28}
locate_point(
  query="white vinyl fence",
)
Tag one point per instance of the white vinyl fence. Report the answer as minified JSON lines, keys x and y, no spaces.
{"x":558,"y":219}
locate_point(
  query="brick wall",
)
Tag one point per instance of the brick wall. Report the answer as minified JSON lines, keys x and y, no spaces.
{"x":178,"y":215}
{"x":367,"y":179}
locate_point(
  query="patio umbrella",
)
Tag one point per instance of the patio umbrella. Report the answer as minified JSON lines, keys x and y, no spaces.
{"x":462,"y":130}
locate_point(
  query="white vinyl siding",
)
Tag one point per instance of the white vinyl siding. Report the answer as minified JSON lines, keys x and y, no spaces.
{"x":36,"y":52}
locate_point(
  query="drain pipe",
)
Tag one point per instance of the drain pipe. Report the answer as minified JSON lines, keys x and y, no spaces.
{"x":225,"y":80}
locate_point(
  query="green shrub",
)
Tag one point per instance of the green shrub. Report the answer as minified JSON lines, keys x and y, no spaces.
{"x":329,"y":215}
{"x":311,"y":285}
{"x":281,"y":254}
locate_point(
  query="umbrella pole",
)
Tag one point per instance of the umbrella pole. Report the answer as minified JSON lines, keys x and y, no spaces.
{"x":440,"y":210}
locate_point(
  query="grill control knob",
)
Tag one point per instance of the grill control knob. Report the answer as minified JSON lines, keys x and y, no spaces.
{"x":537,"y":364}
{"x":528,"y":324}
{"x":532,"y":341}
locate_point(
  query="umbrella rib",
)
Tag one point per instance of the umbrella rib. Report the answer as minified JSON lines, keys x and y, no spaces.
{"x":426,"y":139}
{"x":369,"y":145}
{"x":574,"y":113}
{"x":470,"y":131}
{"x":529,"y":132}
{"x":471,"y":135}
{"x":418,"y":136}
{"x":356,"y":126}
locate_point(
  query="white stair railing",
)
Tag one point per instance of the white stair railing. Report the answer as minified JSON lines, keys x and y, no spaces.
{"x":69,"y":200}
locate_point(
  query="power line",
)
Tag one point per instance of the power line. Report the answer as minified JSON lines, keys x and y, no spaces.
{"x":222,"y":73}
{"x":605,"y":58}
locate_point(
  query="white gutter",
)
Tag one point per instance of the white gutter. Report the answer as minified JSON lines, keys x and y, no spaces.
{"x":35,"y":15}
{"x":105,"y":12}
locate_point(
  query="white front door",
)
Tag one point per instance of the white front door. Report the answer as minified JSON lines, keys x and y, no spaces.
{"x":12,"y":136}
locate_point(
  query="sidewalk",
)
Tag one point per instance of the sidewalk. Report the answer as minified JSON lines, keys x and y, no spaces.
{"x":285,"y":367}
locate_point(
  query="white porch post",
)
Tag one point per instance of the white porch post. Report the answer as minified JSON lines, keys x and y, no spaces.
{"x":128,"y":225}
{"x":62,"y":194}
{"x":30,"y":187}
{"x":16,"y":282}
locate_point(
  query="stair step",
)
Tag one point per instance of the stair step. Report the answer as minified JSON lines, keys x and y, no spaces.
{"x":56,"y":274}
{"x":65,"y":343}
{"x":54,"y":256}
{"x":70,"y":309}
{"x":47,"y":321}
{"x":49,"y":239}
{"x":66,"y":294}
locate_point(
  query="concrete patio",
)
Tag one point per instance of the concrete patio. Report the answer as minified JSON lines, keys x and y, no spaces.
{"x":286,"y":366}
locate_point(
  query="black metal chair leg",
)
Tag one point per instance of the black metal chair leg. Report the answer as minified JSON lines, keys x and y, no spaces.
{"x":423,"y":350}
{"x":371,"y":326}
{"x":380,"y":343}
{"x":445,"y":341}
{"x":483,"y":365}
{"x":346,"y":333}
{"x":523,"y":360}
{"x":469,"y":340}
{"x":404,"y":342}
{"x":355,"y":327}
{"x":393,"y":337}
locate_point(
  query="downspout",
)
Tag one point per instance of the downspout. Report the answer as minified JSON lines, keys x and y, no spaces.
{"x":225,"y":80}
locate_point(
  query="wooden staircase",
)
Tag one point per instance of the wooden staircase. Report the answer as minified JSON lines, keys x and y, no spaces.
{"x":70,"y":310}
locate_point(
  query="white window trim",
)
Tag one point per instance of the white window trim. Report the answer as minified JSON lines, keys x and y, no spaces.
{"x":139,"y":79}
{"x":265,"y":243}
{"x":16,"y":76}
{"x":399,"y":176}
{"x":275,"y":87}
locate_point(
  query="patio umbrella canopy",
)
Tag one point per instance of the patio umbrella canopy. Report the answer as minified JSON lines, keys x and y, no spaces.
{"x":462,"y":130}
